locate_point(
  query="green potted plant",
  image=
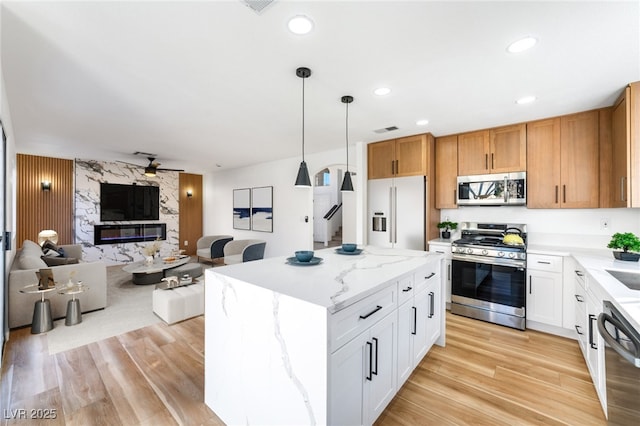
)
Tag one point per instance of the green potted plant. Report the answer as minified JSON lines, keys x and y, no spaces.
{"x":629,"y":243}
{"x":446,"y":227}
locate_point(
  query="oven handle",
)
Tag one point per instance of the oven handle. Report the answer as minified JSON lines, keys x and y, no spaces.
{"x":490,"y":260}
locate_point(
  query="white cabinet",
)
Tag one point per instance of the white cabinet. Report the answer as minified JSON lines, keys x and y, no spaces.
{"x":363,"y":374}
{"x":588,"y":305}
{"x":419,"y":318}
{"x":544,"y":289}
{"x":445,"y":249}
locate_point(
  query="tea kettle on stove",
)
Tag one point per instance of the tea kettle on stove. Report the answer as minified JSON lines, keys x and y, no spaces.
{"x":512,"y":237}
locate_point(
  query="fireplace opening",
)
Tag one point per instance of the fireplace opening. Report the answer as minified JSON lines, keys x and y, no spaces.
{"x":129,"y":233}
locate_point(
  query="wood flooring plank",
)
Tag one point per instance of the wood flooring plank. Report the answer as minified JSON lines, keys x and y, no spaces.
{"x":44,"y":408}
{"x":132,"y":396}
{"x":80,"y":379}
{"x":98,"y":413}
{"x":181,"y":396}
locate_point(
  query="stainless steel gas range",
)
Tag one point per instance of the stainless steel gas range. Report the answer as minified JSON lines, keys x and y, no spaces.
{"x":488,"y":273}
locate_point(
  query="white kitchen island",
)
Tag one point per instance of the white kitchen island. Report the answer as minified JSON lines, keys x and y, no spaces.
{"x":324,"y":344}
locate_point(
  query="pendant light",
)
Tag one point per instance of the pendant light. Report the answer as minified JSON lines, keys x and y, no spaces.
{"x":302,"y":180}
{"x":347,"y":185}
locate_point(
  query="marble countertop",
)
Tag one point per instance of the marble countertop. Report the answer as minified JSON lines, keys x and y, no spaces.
{"x":337,"y":282}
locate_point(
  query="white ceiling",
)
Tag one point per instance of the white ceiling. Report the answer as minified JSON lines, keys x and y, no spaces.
{"x":212,"y":82}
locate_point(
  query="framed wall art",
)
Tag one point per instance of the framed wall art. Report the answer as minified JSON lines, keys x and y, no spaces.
{"x":262,"y":209}
{"x":242,"y":208}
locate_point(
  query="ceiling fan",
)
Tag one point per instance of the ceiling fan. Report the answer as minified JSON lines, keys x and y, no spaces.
{"x":153,"y":167}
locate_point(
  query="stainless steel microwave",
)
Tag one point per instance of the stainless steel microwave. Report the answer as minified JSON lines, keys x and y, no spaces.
{"x":493,"y":190}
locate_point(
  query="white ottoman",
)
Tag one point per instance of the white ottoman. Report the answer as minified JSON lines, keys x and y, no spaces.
{"x":179,"y":303}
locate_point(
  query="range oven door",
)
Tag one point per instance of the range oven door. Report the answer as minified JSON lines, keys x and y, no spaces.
{"x":489,"y":284}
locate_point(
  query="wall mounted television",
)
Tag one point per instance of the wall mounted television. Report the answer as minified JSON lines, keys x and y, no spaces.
{"x":129,"y":202}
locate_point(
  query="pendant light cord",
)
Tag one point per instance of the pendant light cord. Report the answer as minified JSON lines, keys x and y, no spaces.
{"x":346,"y":131}
{"x":303,"y":118}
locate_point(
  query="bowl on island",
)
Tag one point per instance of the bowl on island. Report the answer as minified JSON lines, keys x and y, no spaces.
{"x":304,"y":255}
{"x":349,"y":247}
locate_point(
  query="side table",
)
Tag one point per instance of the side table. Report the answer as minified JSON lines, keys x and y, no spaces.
{"x":42,"y":320}
{"x":74,"y":314}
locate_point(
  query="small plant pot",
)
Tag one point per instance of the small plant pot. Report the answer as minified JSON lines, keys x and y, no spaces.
{"x":626,"y":256}
{"x":446,"y":235}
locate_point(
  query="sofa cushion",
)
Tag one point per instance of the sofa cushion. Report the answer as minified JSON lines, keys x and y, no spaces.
{"x":56,"y":261}
{"x":28,"y":261}
{"x":30,"y":248}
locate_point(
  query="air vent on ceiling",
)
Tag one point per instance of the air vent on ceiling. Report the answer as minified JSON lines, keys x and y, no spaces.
{"x":257,"y":5}
{"x":386,"y":129}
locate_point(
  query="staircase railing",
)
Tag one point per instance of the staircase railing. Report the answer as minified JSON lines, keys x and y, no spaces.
{"x":328,"y":223}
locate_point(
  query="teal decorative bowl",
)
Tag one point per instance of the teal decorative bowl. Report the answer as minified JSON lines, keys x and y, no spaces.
{"x":348,"y":247}
{"x":304,"y":255}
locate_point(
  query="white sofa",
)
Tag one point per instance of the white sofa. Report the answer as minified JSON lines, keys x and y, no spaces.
{"x":23,"y":273}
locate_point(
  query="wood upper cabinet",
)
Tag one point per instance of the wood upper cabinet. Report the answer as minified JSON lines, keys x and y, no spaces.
{"x":398,"y":157}
{"x":499,"y":150}
{"x":625,"y":135}
{"x":563,"y":162}
{"x":446,"y":172}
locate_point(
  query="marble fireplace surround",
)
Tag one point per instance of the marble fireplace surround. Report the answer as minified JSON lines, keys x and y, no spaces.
{"x":88,"y":176}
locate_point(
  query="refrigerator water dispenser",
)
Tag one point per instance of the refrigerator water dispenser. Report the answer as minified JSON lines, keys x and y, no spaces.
{"x":379,"y":222}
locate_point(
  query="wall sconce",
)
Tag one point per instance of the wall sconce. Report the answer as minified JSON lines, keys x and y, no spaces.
{"x":189,"y":193}
{"x":45,"y":185}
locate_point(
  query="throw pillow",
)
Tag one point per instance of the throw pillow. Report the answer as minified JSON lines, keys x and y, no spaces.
{"x":57,"y":261}
{"x":51,"y":253}
{"x":50,"y":245}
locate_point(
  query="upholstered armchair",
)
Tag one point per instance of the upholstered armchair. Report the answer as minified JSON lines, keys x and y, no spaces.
{"x":211,"y":247}
{"x":238,"y":251}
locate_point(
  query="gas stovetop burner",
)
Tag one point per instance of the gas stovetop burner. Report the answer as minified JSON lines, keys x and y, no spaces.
{"x":482,"y":239}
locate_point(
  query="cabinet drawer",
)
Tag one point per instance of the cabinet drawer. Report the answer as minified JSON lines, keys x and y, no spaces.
{"x":353,"y":320}
{"x":426,"y":276}
{"x":405,"y":289}
{"x":541,"y":262}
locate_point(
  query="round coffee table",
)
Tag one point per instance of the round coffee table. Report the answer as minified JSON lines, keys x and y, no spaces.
{"x":42,"y":320}
{"x":153,"y":273}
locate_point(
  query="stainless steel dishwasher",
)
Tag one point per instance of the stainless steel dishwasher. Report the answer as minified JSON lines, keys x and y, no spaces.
{"x":622,"y":366}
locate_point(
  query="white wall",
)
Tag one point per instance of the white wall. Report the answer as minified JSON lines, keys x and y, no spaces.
{"x":290,"y":204}
{"x":557,"y":227}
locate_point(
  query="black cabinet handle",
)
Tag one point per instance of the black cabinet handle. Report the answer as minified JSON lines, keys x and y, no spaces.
{"x":530,"y":284}
{"x":404,"y":290}
{"x":378,"y":307}
{"x":492,"y":162}
{"x":432,"y":306}
{"x":564,"y":193}
{"x":376,"y":362}
{"x":429,"y":276}
{"x":579,"y":298}
{"x":415,"y":320}
{"x":486,"y":161}
{"x":370,"y":360}
{"x":556,"y":194}
{"x":591,"y":342}
{"x":579,"y":273}
{"x":578,"y":330}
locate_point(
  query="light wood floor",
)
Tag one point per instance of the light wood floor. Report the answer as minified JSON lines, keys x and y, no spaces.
{"x":486,"y":375}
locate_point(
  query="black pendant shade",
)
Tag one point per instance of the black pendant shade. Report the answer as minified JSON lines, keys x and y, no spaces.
{"x":302,"y":179}
{"x":303,"y":175}
{"x":347,"y":185}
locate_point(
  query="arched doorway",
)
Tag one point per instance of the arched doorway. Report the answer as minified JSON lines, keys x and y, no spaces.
{"x":334,"y":211}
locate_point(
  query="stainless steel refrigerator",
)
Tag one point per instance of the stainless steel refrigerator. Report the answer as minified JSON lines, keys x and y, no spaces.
{"x":396,"y":212}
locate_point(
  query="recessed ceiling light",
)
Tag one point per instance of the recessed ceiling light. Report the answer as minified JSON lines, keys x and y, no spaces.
{"x":300,"y":25}
{"x":522,"y":44}
{"x":526,"y":100}
{"x":422,"y":122}
{"x":381,"y":91}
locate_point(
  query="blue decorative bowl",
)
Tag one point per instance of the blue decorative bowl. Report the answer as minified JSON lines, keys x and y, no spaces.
{"x":304,"y":255}
{"x":348,"y":247}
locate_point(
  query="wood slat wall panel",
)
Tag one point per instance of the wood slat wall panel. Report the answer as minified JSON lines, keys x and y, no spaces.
{"x":38,"y":209}
{"x":190,"y":228}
